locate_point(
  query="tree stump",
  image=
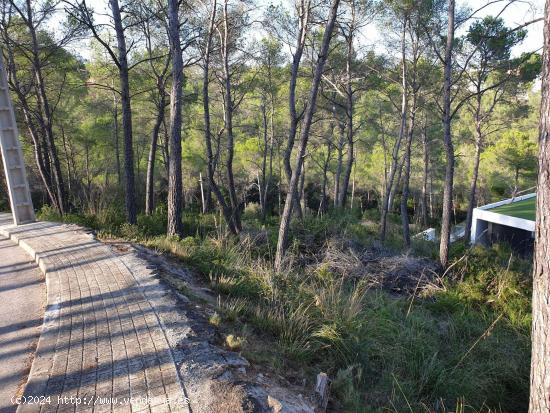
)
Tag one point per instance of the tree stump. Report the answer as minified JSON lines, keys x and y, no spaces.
{"x":322,"y":388}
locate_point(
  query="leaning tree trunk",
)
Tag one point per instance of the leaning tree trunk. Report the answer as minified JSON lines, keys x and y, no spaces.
{"x":130,"y":196}
{"x":447,"y":141}
{"x":539,"y":400}
{"x":175,"y":190}
{"x":304,"y":136}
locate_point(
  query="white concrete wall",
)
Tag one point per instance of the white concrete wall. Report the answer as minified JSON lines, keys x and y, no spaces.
{"x":483,"y":215}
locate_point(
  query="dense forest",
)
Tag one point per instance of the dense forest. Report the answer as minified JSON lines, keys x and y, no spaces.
{"x":262,"y":142}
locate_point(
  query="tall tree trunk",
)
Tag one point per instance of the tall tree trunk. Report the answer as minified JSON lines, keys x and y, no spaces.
{"x":339,"y":162}
{"x":267,"y":198}
{"x":425,"y":173}
{"x":46,"y":118}
{"x":39,"y":148}
{"x":115,"y":139}
{"x":447,"y":140}
{"x":70,"y":176}
{"x":262,"y":184}
{"x":210,"y":156}
{"x":349,"y":116}
{"x":150,"y":180}
{"x":386,"y":205}
{"x":539,"y":399}
{"x":326,"y":162}
{"x":228,"y":117}
{"x":304,"y":135}
{"x":130,"y":196}
{"x":407,"y":176}
{"x":415,"y":87}
{"x":303,"y":23}
{"x":175,"y":188}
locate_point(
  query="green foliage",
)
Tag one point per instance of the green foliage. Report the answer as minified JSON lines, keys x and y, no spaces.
{"x":517,"y":150}
{"x":492,"y":279}
{"x":493,"y":38}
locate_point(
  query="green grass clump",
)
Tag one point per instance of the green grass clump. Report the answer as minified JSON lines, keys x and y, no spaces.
{"x":493,"y":280}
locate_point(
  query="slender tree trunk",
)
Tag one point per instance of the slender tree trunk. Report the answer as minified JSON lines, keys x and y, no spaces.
{"x":393,"y":169}
{"x":349,"y":116}
{"x":397,"y":186}
{"x":516,"y":182}
{"x":115,"y":139}
{"x":304,"y":135}
{"x":262,"y":184}
{"x":303,"y":22}
{"x":301,"y":186}
{"x":448,"y":141}
{"x":165,"y":148}
{"x":36,"y":132}
{"x":539,"y":399}
{"x":150,"y":180}
{"x":203,"y":199}
{"x":385,"y":149}
{"x":70,"y":171}
{"x":425,"y":173}
{"x":267,"y":198}
{"x":175,"y":187}
{"x":473,"y":186}
{"x":353,"y":188}
{"x":339,"y":162}
{"x":46,"y":117}
{"x":210,"y":156}
{"x":130,"y":196}
{"x":407,"y":176}
{"x":228,"y":117}
{"x":326,"y":163}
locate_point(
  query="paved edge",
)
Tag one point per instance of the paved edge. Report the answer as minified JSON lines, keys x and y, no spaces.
{"x":38,"y":303}
{"x":43,"y":360}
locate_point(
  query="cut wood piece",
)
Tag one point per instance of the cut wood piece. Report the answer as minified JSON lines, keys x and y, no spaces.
{"x":322,"y":388}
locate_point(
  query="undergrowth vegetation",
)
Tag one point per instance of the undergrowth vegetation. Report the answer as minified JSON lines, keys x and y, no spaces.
{"x":457,"y":342}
